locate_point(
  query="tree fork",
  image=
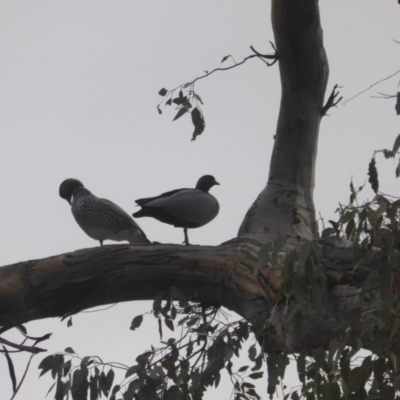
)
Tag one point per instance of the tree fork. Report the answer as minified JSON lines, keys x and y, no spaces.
{"x":286,"y":204}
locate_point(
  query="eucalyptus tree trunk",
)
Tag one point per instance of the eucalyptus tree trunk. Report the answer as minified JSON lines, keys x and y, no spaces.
{"x":286,"y":204}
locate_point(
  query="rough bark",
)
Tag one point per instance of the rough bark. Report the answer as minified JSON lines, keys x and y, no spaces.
{"x":286,"y":205}
{"x":221,"y":275}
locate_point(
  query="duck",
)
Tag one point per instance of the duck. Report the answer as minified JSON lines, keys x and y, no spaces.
{"x":183,"y":208}
{"x":100,"y":219}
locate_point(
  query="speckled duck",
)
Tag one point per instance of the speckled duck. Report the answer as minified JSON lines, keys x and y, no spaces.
{"x":184,"y":208}
{"x":100,"y":219}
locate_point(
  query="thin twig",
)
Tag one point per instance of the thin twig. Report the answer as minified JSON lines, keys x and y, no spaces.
{"x":370,"y":87}
{"x":29,"y":349}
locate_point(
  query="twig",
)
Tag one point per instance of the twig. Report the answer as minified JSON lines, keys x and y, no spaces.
{"x":23,"y":377}
{"x":370,"y":87}
{"x":332,"y":102}
{"x":29,"y":349}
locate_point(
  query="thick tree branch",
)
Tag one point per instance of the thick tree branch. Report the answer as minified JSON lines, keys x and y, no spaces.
{"x":220,"y":275}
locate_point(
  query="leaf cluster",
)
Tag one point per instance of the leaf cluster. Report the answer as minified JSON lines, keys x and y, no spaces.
{"x":182,"y":367}
{"x":185,"y":102}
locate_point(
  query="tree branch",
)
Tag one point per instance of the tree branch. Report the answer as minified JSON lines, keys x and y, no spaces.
{"x":220,"y":275}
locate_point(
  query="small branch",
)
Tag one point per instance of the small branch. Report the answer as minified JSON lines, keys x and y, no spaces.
{"x":370,"y":87}
{"x":332,"y":102}
{"x":257,"y":54}
{"x":29,"y":349}
{"x":274,"y":56}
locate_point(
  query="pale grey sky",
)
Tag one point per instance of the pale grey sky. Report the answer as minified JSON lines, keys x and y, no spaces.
{"x":79,"y":83}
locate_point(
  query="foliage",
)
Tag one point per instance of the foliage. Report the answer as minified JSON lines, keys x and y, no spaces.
{"x":185,"y":100}
{"x":181,"y":368}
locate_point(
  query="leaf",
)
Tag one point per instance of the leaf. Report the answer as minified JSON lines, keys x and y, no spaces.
{"x":197,"y":118}
{"x":163,"y":92}
{"x":136,"y":322}
{"x":173,"y":312}
{"x":77,"y":379}
{"x":225,"y":58}
{"x":109,"y":379}
{"x":198,"y":98}
{"x":157,"y":304}
{"x":11,"y":369}
{"x":159,"y":110}
{"x":115,"y":390}
{"x":373,"y":175}
{"x":398,"y":170}
{"x":160,"y":328}
{"x":57,"y":360}
{"x":256,"y":375}
{"x":177,"y":294}
{"x":350,"y":228}
{"x":335,"y":275}
{"x":182,"y":111}
{"x":244,"y":368}
{"x":46,"y":364}
{"x":397,"y":106}
{"x":70,"y":350}
{"x":252,"y":352}
{"x":169,"y":323}
{"x":198,"y":130}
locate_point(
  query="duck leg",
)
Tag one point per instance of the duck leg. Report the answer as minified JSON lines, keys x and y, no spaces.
{"x":186,"y":242}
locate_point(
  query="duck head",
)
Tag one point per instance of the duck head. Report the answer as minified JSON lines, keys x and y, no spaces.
{"x":68,"y":187}
{"x":205,"y":183}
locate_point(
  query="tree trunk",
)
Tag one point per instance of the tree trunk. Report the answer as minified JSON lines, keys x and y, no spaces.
{"x":286,"y":205}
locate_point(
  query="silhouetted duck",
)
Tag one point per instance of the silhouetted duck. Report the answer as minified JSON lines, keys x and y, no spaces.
{"x":184,"y":208}
{"x":100,"y":219}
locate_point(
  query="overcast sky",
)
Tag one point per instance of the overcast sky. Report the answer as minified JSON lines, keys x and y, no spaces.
{"x":79,"y":83}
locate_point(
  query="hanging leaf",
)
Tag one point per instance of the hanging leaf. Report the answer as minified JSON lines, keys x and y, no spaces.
{"x":196,"y":117}
{"x":396,"y":145}
{"x":136,"y":322}
{"x":198,"y":98}
{"x":397,"y":107}
{"x":177,"y":294}
{"x":225,"y":58}
{"x":70,"y":350}
{"x":160,"y":328}
{"x":182,"y":111}
{"x":163,"y":92}
{"x":373,"y":175}
{"x":398,"y":170}
{"x":198,"y":130}
{"x":169,"y":323}
{"x":11,"y":369}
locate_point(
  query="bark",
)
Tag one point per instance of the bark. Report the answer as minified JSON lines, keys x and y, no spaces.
{"x":221,"y":276}
{"x":286,"y":205}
